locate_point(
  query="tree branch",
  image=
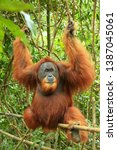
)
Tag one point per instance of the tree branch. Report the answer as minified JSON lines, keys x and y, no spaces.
{"x":65,"y":126}
{"x":85,"y":128}
{"x":24,"y":141}
{"x":11,"y":114}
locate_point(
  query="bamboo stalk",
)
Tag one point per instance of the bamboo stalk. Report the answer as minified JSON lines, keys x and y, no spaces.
{"x":48,"y":26}
{"x":94,"y":54}
{"x":85,"y":128}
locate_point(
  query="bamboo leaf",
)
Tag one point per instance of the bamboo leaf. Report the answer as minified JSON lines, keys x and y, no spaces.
{"x":15,"y":30}
{"x":1,"y":36}
{"x":8,"y":5}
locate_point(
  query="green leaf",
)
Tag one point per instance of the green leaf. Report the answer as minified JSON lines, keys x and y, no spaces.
{"x":1,"y":36}
{"x":1,"y":46}
{"x":15,"y":30}
{"x":1,"y":33}
{"x":8,"y":5}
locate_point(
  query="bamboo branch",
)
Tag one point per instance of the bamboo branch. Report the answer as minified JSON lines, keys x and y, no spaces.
{"x":48,"y":27}
{"x":68,"y":11}
{"x":20,"y":142}
{"x":94,"y":54}
{"x":93,"y":31}
{"x":24,"y":141}
{"x":39,"y":47}
{"x":11,"y":114}
{"x":65,"y":126}
{"x":85,"y":128}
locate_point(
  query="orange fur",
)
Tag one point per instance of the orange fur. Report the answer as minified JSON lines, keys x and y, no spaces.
{"x":46,"y":87}
{"x":81,"y":73}
{"x":24,"y":69}
{"x":30,"y":119}
{"x":49,"y":110}
{"x":72,"y":116}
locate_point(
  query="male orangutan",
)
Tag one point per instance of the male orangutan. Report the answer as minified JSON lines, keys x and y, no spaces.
{"x":54,"y":84}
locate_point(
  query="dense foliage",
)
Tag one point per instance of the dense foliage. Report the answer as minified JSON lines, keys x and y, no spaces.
{"x":44,"y":38}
